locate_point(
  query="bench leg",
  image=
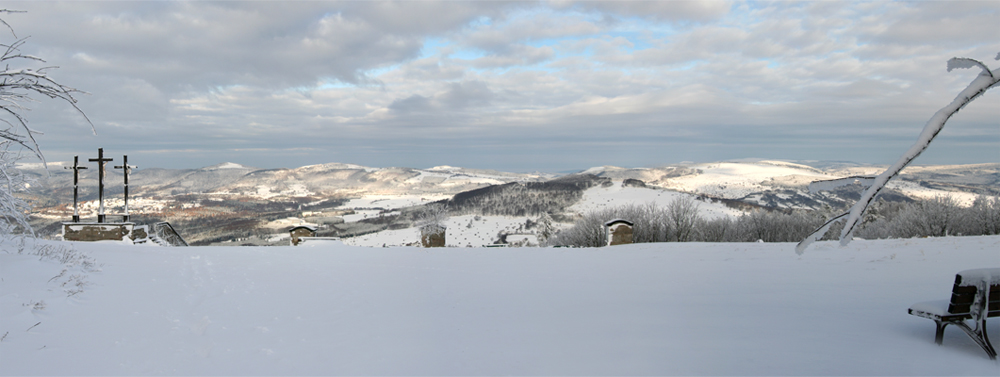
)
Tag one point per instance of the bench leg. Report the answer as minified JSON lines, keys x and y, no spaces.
{"x":939,"y":334}
{"x":979,"y":336}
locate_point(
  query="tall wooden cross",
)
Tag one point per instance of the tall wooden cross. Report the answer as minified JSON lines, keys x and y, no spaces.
{"x":126,"y":170}
{"x":101,"y":161}
{"x":76,"y":186}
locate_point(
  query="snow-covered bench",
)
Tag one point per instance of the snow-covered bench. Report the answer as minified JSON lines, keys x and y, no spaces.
{"x":975,"y":296}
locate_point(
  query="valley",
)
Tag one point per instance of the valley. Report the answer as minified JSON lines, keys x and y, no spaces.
{"x":231,"y":204}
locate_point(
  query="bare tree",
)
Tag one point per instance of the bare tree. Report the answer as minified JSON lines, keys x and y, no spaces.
{"x":986,"y":80}
{"x":22,"y":77}
{"x":682,"y":213}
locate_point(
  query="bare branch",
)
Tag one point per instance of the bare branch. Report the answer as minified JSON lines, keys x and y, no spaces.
{"x":5,"y":22}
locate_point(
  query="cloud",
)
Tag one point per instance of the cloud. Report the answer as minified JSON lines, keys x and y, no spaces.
{"x":194,"y":45}
{"x":670,"y":11}
{"x":429,"y":83}
{"x":515,"y":56}
{"x":938,"y":23}
{"x":412,"y":104}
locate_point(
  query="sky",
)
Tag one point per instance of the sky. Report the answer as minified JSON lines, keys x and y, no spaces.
{"x":514,"y":86}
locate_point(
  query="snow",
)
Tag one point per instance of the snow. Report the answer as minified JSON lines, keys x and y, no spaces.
{"x":449,"y":176}
{"x":974,"y":276}
{"x":733,"y":180}
{"x":598,"y":198}
{"x":664,"y":309}
{"x":288,"y":223}
{"x":484,"y":231}
{"x":230,"y":165}
{"x":938,"y":308}
{"x":445,"y":168}
{"x":294,"y":188}
{"x":915,"y":190}
{"x":226,"y":165}
{"x":830,"y":184}
{"x":391,"y":201}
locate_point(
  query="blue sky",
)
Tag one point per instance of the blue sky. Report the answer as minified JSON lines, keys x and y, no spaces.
{"x":516,"y":86}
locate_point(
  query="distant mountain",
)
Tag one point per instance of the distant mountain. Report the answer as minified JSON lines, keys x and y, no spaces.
{"x":332,"y":179}
{"x":230,"y":202}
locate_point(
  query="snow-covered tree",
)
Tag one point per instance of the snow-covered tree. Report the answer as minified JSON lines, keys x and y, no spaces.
{"x":22,"y":76}
{"x":986,"y":214}
{"x":986,"y":80}
{"x":433,"y":218}
{"x":544,"y":227}
{"x":13,"y":209}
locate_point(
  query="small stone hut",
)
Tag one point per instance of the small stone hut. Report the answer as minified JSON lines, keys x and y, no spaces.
{"x":618,"y":232}
{"x":433,"y":235}
{"x":302,"y":231}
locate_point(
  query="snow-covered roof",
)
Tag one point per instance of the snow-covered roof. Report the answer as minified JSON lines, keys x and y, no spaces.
{"x":617,"y":221}
{"x":309,"y":227}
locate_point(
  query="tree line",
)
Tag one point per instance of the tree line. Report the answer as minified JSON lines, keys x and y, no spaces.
{"x":680,"y":221}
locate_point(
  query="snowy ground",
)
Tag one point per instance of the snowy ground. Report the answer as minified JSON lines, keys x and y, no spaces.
{"x":484,"y":230}
{"x":599,"y":198}
{"x":328,"y":308}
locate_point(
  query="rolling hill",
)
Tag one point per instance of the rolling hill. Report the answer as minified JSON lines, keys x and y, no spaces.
{"x":233,"y":204}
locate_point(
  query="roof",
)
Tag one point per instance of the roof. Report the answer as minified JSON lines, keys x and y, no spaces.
{"x":309,"y":227}
{"x":618,"y":221}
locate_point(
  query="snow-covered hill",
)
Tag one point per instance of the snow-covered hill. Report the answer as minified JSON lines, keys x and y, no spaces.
{"x":230,"y":203}
{"x":230,"y":179}
{"x":330,"y":309}
{"x":785,"y":184}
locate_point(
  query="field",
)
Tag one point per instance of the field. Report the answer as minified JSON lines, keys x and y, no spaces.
{"x":333,"y":309}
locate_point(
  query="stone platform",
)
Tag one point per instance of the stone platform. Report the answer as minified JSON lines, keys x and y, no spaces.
{"x":98,"y":231}
{"x":161,"y":233}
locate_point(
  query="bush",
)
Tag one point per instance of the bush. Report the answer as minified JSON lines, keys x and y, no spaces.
{"x":938,"y":217}
{"x":675,"y":222}
{"x":679,"y":222}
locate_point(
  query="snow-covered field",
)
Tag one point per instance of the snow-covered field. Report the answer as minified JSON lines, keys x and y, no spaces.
{"x":598,"y":198}
{"x":329,"y":308}
{"x":738,"y":179}
{"x":735,"y":180}
{"x":463,"y":231}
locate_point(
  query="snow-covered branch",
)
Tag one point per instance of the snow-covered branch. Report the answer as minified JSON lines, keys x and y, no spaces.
{"x":18,"y":85}
{"x":986,"y":80}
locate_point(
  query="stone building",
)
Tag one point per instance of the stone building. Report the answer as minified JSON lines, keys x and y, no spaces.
{"x":618,"y":231}
{"x":302,"y":231}
{"x":433,"y":235}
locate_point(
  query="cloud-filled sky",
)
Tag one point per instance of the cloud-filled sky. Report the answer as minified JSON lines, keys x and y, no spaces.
{"x":515,"y":86}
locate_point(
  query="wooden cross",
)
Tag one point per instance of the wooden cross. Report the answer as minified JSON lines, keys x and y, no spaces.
{"x":76,"y":185}
{"x":126,"y":170}
{"x":101,"y":161}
